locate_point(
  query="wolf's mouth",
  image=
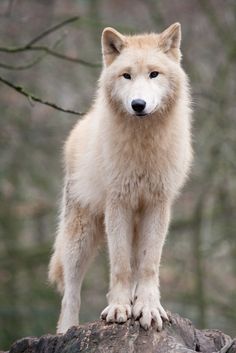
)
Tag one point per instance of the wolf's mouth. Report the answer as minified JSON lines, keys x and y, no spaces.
{"x":141,"y":115}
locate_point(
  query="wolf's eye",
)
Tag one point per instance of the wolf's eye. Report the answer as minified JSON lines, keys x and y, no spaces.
{"x":153,"y":74}
{"x":127,"y":76}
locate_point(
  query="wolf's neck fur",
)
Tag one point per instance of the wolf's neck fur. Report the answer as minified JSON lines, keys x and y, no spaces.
{"x":161,"y":126}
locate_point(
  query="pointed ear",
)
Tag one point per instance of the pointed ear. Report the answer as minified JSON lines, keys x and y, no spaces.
{"x":112,"y":44}
{"x":170,"y":41}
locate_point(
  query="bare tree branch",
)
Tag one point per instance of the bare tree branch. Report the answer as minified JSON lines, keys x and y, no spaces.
{"x":31,"y":97}
{"x":51,"y":52}
{"x":23,"y":67}
{"x":38,"y":37}
{"x":31,"y":47}
{"x":63,"y":57}
{"x":72,"y":59}
{"x":47,"y":51}
{"x":52,"y":29}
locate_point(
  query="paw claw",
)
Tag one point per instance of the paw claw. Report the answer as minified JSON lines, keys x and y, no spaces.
{"x":104,"y":313}
{"x":149,"y":314}
{"x":137,"y":311}
{"x":163,"y":313}
{"x":116,"y":313}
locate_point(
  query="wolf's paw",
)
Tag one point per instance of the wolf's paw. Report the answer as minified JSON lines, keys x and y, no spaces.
{"x":149,"y":314}
{"x":119,"y":313}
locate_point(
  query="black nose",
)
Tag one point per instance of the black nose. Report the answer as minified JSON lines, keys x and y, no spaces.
{"x":138,"y":105}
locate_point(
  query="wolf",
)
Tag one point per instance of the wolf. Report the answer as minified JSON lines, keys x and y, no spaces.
{"x":125,"y":163}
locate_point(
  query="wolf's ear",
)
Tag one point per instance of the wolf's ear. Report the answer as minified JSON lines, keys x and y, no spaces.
{"x":112,"y":44}
{"x":170,"y":41}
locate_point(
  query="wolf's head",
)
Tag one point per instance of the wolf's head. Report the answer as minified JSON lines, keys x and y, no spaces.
{"x":142,"y":73}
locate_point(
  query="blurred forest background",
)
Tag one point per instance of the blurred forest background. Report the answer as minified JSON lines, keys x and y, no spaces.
{"x":198,"y":274}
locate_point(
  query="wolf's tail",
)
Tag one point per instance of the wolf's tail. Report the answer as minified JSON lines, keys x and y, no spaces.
{"x":55,"y":273}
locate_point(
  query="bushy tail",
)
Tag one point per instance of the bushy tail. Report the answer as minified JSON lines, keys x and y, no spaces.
{"x":55,"y":273}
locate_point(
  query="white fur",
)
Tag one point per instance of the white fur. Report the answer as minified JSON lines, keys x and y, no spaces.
{"x":140,"y":86}
{"x":122,"y":175}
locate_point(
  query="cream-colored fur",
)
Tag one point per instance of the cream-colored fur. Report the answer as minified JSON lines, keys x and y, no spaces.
{"x":122,"y":173}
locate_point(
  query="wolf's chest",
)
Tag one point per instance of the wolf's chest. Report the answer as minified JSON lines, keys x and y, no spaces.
{"x":139,"y":184}
{"x":141,"y":170}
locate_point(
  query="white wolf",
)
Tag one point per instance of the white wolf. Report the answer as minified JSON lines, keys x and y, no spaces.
{"x":124,"y":164}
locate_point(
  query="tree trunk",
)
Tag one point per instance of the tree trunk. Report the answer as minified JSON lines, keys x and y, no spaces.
{"x":178,"y":336}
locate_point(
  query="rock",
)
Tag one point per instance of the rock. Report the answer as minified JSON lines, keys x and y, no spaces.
{"x":178,"y":336}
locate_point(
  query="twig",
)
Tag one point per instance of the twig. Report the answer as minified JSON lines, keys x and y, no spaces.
{"x":64,"y":57}
{"x":22,"y":91}
{"x":52,"y":29}
{"x":38,"y":37}
{"x":23,"y":67}
{"x":52,"y":53}
{"x":69,"y":58}
{"x":31,"y":47}
{"x":37,"y":60}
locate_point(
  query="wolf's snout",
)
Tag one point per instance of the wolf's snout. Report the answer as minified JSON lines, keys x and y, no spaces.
{"x":138,"y":105}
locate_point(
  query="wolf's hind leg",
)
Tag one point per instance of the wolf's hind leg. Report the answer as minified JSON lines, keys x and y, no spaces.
{"x":82,"y":234}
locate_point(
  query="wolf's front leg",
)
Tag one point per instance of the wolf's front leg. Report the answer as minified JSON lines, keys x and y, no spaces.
{"x":119,"y":229}
{"x":152,"y":233}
